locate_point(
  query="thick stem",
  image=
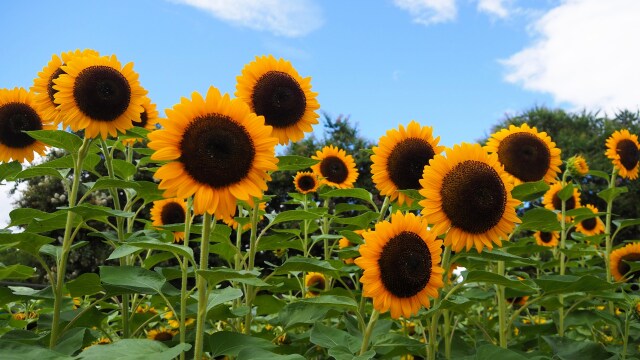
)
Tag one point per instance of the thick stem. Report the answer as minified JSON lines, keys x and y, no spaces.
{"x":625,"y":336}
{"x":502,"y":309}
{"x":252,"y":258}
{"x":202,"y":286}
{"x":368,"y":331}
{"x":447,"y":334}
{"x":184,"y":267}
{"x":563,"y":239}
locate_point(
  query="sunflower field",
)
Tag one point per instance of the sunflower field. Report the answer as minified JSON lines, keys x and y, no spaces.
{"x":478,"y":251}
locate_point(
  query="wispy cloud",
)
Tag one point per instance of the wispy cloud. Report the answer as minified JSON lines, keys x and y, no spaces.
{"x":428,"y":12}
{"x":280,"y":17}
{"x":586,"y":53}
{"x":494,"y":7}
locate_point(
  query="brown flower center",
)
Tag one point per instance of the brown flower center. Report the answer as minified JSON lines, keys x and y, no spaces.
{"x":306,"y":182}
{"x":589,"y":224}
{"x":407,"y":161}
{"x":279,"y":98}
{"x":315,"y":285}
{"x":557,"y":202}
{"x":525,"y":156}
{"x":102,"y":93}
{"x":14,"y":119}
{"x":629,"y":154}
{"x":172,"y":213}
{"x":163,"y":336}
{"x":546,"y":236}
{"x":50,"y":90}
{"x":624,"y":268}
{"x":405,"y":264}
{"x":334,"y":169}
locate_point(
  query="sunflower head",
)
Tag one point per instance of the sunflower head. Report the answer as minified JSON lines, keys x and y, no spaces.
{"x":547,"y":238}
{"x":273,"y":89}
{"x":336,"y":168}
{"x":344,"y":243}
{"x":618,"y":262}
{"x":218,"y":151}
{"x":400,"y":158}
{"x":169,"y":211}
{"x":98,"y":95}
{"x":468,"y":197}
{"x":518,"y":300}
{"x":18,"y":114}
{"x":578,"y":166}
{"x":148,"y":120}
{"x":306,"y":182}
{"x":162,"y":334}
{"x":623,"y":150}
{"x":591,"y":226}
{"x":315,"y":282}
{"x":526,"y":154}
{"x":552,"y":201}
{"x":401,"y":262}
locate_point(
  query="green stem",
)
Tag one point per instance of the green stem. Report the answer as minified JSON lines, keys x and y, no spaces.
{"x":447,"y":334}
{"x":368,"y":331}
{"x":305,"y":241}
{"x":502,"y":309}
{"x":383,"y":208}
{"x":202,"y":286}
{"x":625,"y":336}
{"x":67,"y":240}
{"x":184,"y":267}
{"x":325,"y":231}
{"x":253,"y":243}
{"x":563,"y":239}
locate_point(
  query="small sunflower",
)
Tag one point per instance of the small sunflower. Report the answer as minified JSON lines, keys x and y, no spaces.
{"x":219,"y":151}
{"x":578,"y":166}
{"x":169,"y":211}
{"x":18,"y":113}
{"x":552,"y":201}
{"x":306,"y":182}
{"x":231,"y":221}
{"x":336,"y":168}
{"x":345,"y":243}
{"x":518,"y":300}
{"x":273,"y":89}
{"x":315,"y":282}
{"x":174,"y":323}
{"x":400,"y":158}
{"x":148,"y":120}
{"x":591,"y":226}
{"x":547,"y":238}
{"x":43,"y":84}
{"x":401,"y":262}
{"x":618,"y":262}
{"x":526,"y":154}
{"x":468,"y":196}
{"x":162,"y":334}
{"x":100,"y":341}
{"x":98,"y":95}
{"x":623,"y":150}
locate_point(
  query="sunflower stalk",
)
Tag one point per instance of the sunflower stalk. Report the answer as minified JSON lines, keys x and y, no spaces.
{"x":563,"y":239}
{"x":502,"y":309}
{"x":202,"y":286}
{"x":607,"y":233}
{"x":367,"y":333}
{"x":184,"y":269}
{"x":255,"y":217}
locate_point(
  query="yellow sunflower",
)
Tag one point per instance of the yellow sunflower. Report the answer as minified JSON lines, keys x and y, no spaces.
{"x":100,"y":341}
{"x":578,"y":166}
{"x":315,"y":282}
{"x":547,"y":238}
{"x":468,"y":196}
{"x":161,"y":334}
{"x":98,"y":95}
{"x":336,"y":168}
{"x":344,"y":243}
{"x":174,"y":323}
{"x":43,"y":84}
{"x":552,"y":201}
{"x":18,"y":113}
{"x":231,"y":221}
{"x":306,"y":182}
{"x":400,"y":158}
{"x":592,"y":226}
{"x":273,"y":89}
{"x":401,"y":262}
{"x":169,"y":211}
{"x":618,"y":262}
{"x":219,"y":151}
{"x":526,"y":154}
{"x":622,"y":149}
{"x":148,"y":120}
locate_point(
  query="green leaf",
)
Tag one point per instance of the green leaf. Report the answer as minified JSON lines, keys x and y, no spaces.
{"x":611,"y":194}
{"x":67,"y":162}
{"x":106,"y":183}
{"x":333,"y":301}
{"x":344,"y":353}
{"x":261,"y":354}
{"x":499,"y":255}
{"x":492,"y":352}
{"x":131,"y":279}
{"x":362,"y":221}
{"x":566,"y":192}
{"x":23,"y":216}
{"x":133,"y":349}
{"x":231,"y":343}
{"x":221,"y":296}
{"x":13,"y":350}
{"x":355,"y":193}
{"x":16,"y":272}
{"x":482,"y":276}
{"x":621,"y":224}
{"x":56,"y":251}
{"x":279,"y":241}
{"x":8,"y":170}
{"x":155,"y":244}
{"x":565,"y":348}
{"x":330,"y":337}
{"x":564,"y":284}
{"x":58,"y":138}
{"x":294,"y":215}
{"x":25,"y":241}
{"x":41,"y":171}
{"x":530,"y":191}
{"x":71,"y":341}
{"x":149,"y":191}
{"x":123,"y":169}
{"x":123,"y":250}
{"x":540,"y":219}
{"x":91,"y":212}
{"x":85,"y":284}
{"x":396,"y":344}
{"x":600,"y":174}
{"x":301,"y":313}
{"x":268,"y":304}
{"x":295,"y":163}
{"x":55,"y":221}
{"x":218,"y":275}
{"x":299,"y":263}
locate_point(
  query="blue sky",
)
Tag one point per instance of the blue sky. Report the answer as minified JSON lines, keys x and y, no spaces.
{"x":457,"y":65}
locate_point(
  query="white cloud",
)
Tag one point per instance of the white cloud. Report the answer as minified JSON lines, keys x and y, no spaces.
{"x":586,"y":54}
{"x":494,"y":7}
{"x":428,"y":12}
{"x":281,"y":17}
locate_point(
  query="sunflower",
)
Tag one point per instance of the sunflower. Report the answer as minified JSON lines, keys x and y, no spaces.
{"x":306,"y":182}
{"x":18,"y":114}
{"x":400,"y":158}
{"x":336,"y":168}
{"x":231,"y":221}
{"x":591,"y":226}
{"x":174,"y":323}
{"x":468,"y":196}
{"x":344,"y":243}
{"x":148,"y":120}
{"x":169,"y":211}
{"x":162,"y":334}
{"x":578,"y":166}
{"x":273,"y":89}
{"x":518,"y":300}
{"x":552,"y":201}
{"x":315,"y":282}
{"x":218,"y":150}
{"x":401,"y":262}
{"x":100,"y":341}
{"x":622,"y":149}
{"x":43,"y":84}
{"x":618,"y":262}
{"x":96,"y":94}
{"x":526,"y":154}
{"x":547,"y":238}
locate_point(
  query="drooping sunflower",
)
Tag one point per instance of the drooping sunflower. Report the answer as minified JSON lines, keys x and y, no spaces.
{"x":547,"y":238}
{"x":148,"y":120}
{"x":526,"y":154}
{"x":306,"y":182}
{"x":273,"y":89}
{"x":552,"y":201}
{"x":400,"y":158}
{"x":162,"y":334}
{"x":618,"y":262}
{"x":43,"y":84}
{"x":169,"y":211}
{"x":578,"y":166}
{"x":623,"y":150}
{"x":315,"y":282}
{"x":591,"y":226}
{"x":98,"y":95}
{"x":231,"y":221}
{"x":401,"y":262}
{"x":336,"y":168}
{"x":218,"y":150}
{"x":468,"y":196}
{"x":18,"y":113}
